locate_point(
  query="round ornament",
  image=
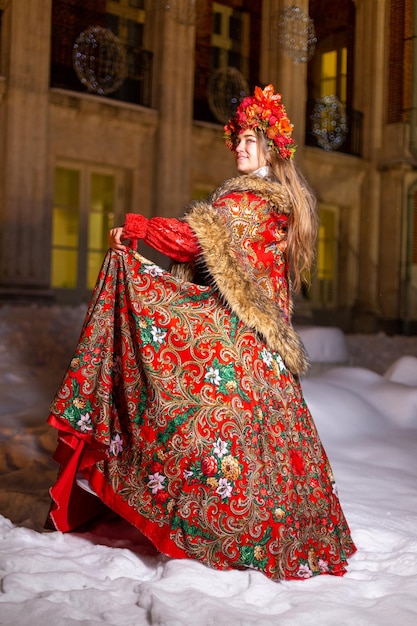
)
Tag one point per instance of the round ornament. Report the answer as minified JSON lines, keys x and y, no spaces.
{"x":226,"y":88}
{"x":99,"y":60}
{"x":329,"y":123}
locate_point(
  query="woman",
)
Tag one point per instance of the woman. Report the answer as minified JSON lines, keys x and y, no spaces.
{"x":182,"y":408}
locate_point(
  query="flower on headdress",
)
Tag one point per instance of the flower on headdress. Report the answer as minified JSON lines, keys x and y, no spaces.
{"x":263,"y":111}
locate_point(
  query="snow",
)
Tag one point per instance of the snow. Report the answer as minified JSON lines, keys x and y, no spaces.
{"x":363,"y":396}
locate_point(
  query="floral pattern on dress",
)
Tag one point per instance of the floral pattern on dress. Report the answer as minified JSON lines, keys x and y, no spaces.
{"x":259,"y":240}
{"x":207,"y":445}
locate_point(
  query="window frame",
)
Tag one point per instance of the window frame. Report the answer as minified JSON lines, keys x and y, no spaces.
{"x":82,"y":291}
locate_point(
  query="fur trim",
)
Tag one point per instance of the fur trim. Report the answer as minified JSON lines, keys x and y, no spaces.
{"x":183,"y":271}
{"x":268,"y":189}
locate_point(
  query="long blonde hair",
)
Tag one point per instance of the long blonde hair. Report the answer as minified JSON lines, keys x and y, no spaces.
{"x":304,"y":220}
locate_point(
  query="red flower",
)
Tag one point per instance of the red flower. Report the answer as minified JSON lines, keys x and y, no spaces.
{"x":161,"y":497}
{"x":156,"y":467}
{"x":209,"y":466}
{"x":148,"y":433}
{"x":297,"y":462}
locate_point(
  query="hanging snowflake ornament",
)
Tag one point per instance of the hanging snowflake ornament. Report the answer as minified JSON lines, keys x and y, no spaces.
{"x":329,"y":123}
{"x":296,"y":34}
{"x":99,"y":60}
{"x":226,"y":88}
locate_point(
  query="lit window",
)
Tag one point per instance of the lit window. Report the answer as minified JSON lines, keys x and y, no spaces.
{"x":83,"y":213}
{"x":324,"y":283}
{"x":65,"y":228}
{"x":333,"y":74}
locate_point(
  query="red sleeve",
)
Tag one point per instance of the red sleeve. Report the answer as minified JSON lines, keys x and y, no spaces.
{"x":165,"y":234}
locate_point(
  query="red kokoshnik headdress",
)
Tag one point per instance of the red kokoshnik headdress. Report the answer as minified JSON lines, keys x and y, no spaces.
{"x":263,"y":111}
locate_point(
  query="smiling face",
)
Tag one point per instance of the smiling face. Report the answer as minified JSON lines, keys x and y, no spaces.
{"x":248,"y":153}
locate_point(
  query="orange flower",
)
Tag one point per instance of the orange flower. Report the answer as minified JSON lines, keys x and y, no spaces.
{"x":265,"y":112}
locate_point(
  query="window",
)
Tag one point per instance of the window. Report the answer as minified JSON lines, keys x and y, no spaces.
{"x":230,"y":39}
{"x":100,"y":220}
{"x":333,"y":74}
{"x":1,"y":38}
{"x":400,"y":60}
{"x":330,"y":71}
{"x":83,"y":213}
{"x":229,"y":36}
{"x":65,"y":229}
{"x":126,"y":19}
{"x":324,"y":283}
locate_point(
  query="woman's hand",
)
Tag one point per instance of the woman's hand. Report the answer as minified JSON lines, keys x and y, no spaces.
{"x":116,"y":237}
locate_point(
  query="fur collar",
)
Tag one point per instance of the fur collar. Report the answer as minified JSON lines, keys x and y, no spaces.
{"x":269,"y":189}
{"x":246,"y":299}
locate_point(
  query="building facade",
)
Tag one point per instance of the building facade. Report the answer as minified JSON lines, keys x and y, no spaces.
{"x":85,"y":139}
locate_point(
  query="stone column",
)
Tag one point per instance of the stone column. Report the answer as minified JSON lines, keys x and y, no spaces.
{"x":24,"y":255}
{"x":370,"y":75}
{"x":175,"y":105}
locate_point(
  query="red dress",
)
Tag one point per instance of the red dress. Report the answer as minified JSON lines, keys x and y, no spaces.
{"x":187,"y":424}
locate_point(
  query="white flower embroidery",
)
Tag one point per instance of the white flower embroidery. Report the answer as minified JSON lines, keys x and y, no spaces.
{"x":213,"y":376}
{"x":155,"y":482}
{"x":116,"y":445}
{"x":85,"y":423}
{"x":266,"y":357}
{"x":158,"y":335}
{"x":224,"y":489}
{"x":323,"y":565}
{"x":280,"y":362}
{"x":154,"y":270}
{"x":304,"y":571}
{"x":187,"y":474}
{"x":220,"y":447}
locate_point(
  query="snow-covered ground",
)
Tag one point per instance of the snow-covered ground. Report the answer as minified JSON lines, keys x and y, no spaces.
{"x":363,"y":396}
